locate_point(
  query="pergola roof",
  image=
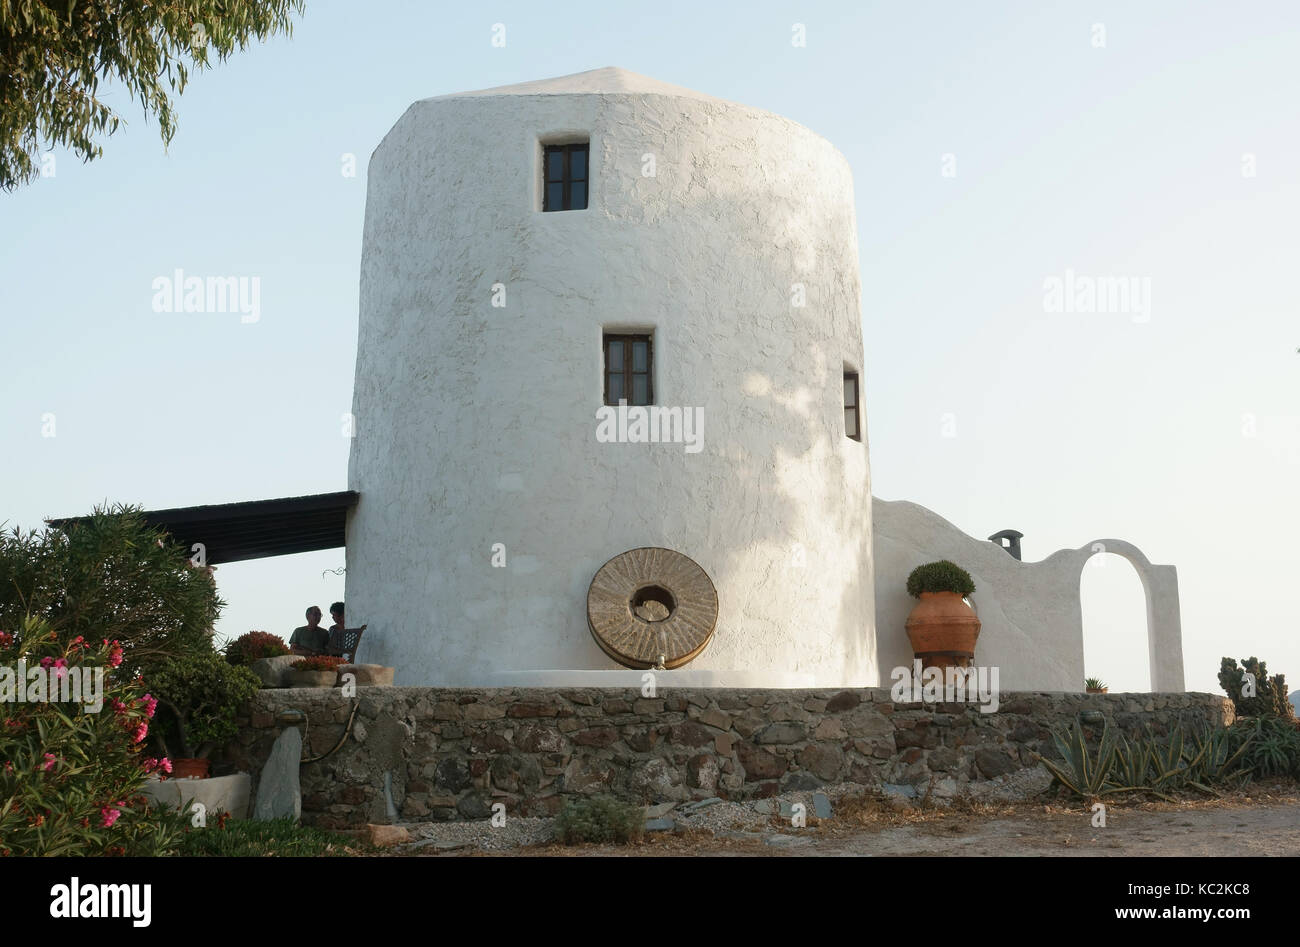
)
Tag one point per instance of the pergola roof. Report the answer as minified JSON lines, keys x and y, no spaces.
{"x":255,"y":529}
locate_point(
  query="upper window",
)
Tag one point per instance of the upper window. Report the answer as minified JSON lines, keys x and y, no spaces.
{"x":564,"y":177}
{"x":628,"y":369}
{"x":852,"y":415}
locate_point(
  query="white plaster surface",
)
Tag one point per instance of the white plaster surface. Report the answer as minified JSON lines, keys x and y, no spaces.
{"x":476,"y":425}
{"x":1030,"y":612}
{"x":217,"y":794}
{"x":663,"y":680}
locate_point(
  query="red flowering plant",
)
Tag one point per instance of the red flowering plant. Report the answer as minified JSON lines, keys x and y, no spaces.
{"x":254,"y":646}
{"x":72,"y":730}
{"x":318,"y":663}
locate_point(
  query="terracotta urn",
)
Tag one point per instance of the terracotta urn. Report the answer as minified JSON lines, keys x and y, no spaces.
{"x":187,"y":768}
{"x":943,"y":630}
{"x":1097,"y":690}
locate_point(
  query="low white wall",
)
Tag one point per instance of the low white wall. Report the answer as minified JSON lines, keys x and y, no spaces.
{"x":1032,"y":620}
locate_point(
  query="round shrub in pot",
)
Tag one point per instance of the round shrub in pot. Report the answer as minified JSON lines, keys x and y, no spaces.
{"x":942,"y":627}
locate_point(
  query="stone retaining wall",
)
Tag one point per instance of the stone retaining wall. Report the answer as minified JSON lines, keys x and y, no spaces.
{"x":444,"y":754}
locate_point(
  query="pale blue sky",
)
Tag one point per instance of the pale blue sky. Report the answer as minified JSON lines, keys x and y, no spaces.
{"x":1117,"y":161}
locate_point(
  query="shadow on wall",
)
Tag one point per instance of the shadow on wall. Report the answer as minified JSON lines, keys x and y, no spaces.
{"x":1032,"y":619}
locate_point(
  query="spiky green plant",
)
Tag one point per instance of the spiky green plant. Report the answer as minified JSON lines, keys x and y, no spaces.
{"x":1094,"y":683}
{"x":1080,"y":771}
{"x":1215,"y":758}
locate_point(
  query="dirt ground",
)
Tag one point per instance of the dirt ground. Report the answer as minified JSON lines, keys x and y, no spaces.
{"x":1261,"y":822}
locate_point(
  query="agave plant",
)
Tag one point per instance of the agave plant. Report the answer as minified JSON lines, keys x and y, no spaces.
{"x":1080,"y":772}
{"x":1214,"y":758}
{"x":1132,"y":762}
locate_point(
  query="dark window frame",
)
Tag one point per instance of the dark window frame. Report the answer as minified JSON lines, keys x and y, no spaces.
{"x":566,"y":178}
{"x":857,"y":406}
{"x":626,"y":370}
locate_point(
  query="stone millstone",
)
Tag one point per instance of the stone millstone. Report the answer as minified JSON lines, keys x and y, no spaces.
{"x":279,"y":794}
{"x":636,"y":636}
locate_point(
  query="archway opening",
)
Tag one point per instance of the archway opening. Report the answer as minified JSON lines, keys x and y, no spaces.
{"x":1115,"y":632}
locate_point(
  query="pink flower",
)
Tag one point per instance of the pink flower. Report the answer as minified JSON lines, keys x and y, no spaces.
{"x":141,"y":732}
{"x":79,"y":641}
{"x":150,"y":705}
{"x":115,"y":656}
{"x":108,"y":816}
{"x":46,"y":662}
{"x":6,"y":639}
{"x":119,"y":708}
{"x":152,"y":765}
{"x":49,"y":762}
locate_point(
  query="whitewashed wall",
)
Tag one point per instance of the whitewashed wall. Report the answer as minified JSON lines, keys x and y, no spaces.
{"x":1032,"y":621}
{"x":476,"y":425}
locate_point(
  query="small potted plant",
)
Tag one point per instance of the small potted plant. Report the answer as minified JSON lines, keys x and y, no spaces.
{"x":942,"y":627}
{"x":198,"y":696}
{"x":1095,"y":685}
{"x":319,"y":671}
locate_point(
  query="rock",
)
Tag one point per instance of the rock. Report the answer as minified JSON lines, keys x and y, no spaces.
{"x":763,"y":807}
{"x":453,"y":774}
{"x":274,"y":672}
{"x":797,"y":781}
{"x":653,"y":778}
{"x":659,"y":825}
{"x":654,"y":812}
{"x":702,"y":772}
{"x":844,"y":700}
{"x":368,"y":675}
{"x":474,"y":807}
{"x":821,"y":805}
{"x":716,"y":718}
{"x":993,"y":762}
{"x":759,"y":764}
{"x":822,"y":760}
{"x":279,"y":793}
{"x":781,"y":733}
{"x":383,"y":836}
{"x":692,"y":807}
{"x":898,"y":789}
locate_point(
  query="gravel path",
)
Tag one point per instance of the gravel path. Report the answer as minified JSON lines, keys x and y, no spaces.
{"x":1265,"y":823}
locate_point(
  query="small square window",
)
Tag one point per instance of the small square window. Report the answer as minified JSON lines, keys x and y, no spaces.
{"x":852,"y":411}
{"x":629,"y":369}
{"x":564,"y":177}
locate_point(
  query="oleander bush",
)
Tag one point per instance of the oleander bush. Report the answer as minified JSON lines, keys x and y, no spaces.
{"x":253,"y":646}
{"x":72,"y":770}
{"x":599,"y":819}
{"x":112,"y":577}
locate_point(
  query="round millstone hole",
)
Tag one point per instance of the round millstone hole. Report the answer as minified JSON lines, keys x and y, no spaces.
{"x":652,"y":603}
